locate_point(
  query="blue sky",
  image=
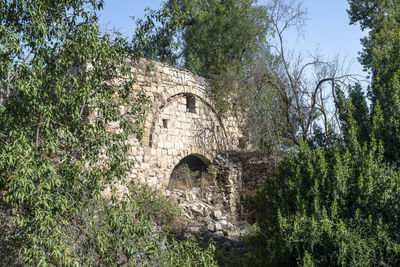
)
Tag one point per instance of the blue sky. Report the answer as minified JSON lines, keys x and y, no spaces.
{"x":116,"y":13}
{"x":327,"y":28}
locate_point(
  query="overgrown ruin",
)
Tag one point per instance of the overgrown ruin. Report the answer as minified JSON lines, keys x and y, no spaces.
{"x":181,"y":121}
{"x":183,"y":127}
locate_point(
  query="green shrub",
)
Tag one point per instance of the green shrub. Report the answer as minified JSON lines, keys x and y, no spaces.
{"x":329,"y":208}
{"x":188,"y":253}
{"x":131,"y":231}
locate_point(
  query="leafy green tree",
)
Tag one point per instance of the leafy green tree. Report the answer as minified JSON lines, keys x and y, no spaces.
{"x":381,"y":58}
{"x":354,"y":114}
{"x":211,"y":38}
{"x":221,"y":33}
{"x":156,"y":35}
{"x":58,"y":96}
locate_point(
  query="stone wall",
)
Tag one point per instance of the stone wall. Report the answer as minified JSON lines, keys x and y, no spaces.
{"x":182,"y":121}
{"x":241,"y":173}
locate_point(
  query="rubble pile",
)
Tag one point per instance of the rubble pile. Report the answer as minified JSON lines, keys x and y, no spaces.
{"x":213,"y":209}
{"x":206,"y":215}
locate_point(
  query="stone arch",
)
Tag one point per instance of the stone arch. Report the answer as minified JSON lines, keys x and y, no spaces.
{"x":164,"y":103}
{"x":206,"y":156}
{"x":197,"y":164}
{"x":173,"y":130}
{"x":205,"y":160}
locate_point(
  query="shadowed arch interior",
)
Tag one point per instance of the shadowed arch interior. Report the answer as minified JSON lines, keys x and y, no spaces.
{"x":187,"y":173}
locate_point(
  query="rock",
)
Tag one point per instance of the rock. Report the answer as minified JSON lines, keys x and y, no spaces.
{"x":196,"y":190}
{"x":191,"y":196}
{"x":211,"y":226}
{"x":226,"y":233}
{"x":197,"y":210}
{"x":194,"y":229}
{"x":206,"y":212}
{"x":217,"y":214}
{"x":206,"y":206}
{"x":223,"y":222}
{"x":229,"y":188}
{"x":187,"y":235}
{"x":162,"y":246}
{"x":218,"y":226}
{"x":219,"y":233}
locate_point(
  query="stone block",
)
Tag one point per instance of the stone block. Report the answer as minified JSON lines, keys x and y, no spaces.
{"x":164,"y":165}
{"x":211,"y":226}
{"x":217,"y":226}
{"x":166,"y":70}
{"x":217,"y":214}
{"x":152,"y":181}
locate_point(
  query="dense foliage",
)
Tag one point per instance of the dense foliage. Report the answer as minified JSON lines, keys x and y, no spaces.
{"x":337,"y":203}
{"x":329,"y":207}
{"x":332,"y":203}
{"x":58,"y":94}
{"x":381,"y":58}
{"x":220,"y":34}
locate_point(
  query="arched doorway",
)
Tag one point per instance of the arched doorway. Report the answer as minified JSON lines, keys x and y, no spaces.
{"x":188,"y":172}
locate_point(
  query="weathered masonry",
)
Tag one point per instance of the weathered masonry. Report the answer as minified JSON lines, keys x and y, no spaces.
{"x":181,"y":122}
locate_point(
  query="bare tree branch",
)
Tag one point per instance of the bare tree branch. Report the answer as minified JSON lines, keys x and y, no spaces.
{"x":300,"y":90}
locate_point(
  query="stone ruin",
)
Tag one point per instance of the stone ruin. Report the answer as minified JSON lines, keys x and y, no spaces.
{"x":181,"y":121}
{"x":183,"y":125}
